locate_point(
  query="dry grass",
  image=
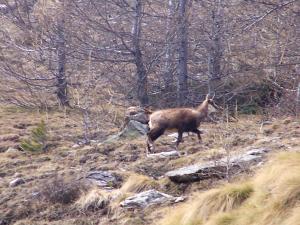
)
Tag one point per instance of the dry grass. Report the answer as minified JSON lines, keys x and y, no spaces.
{"x":202,"y":206}
{"x":272,"y":198}
{"x":93,"y":200}
{"x":137,"y":183}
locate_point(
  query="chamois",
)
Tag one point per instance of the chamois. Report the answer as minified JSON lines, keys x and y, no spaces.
{"x":180,"y":119}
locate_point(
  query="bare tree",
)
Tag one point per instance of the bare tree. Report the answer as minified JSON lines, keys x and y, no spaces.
{"x":215,"y":51}
{"x":62,"y":89}
{"x":182,"y":87}
{"x":142,"y":93}
{"x":168,"y":72}
{"x":43,"y":48}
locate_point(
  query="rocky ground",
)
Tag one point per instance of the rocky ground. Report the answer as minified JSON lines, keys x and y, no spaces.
{"x":73,"y":183}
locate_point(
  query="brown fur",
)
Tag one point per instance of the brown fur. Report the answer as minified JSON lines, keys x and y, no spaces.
{"x":180,"y":119}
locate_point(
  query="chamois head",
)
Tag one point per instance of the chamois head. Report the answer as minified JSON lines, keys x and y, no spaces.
{"x":211,"y":101}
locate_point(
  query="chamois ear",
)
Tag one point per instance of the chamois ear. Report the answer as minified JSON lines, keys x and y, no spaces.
{"x":207,"y":97}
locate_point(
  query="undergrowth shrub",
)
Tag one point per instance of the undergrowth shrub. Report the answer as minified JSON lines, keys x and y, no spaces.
{"x":37,"y":141}
{"x":61,"y":191}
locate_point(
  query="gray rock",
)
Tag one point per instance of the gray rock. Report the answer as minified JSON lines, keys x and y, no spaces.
{"x":217,"y":168}
{"x":16,"y":175}
{"x":175,"y":135}
{"x":257,"y":151}
{"x":147,"y":198}
{"x":133,"y":129}
{"x":136,"y":113}
{"x":12,"y":150}
{"x":102,"y":178}
{"x":76,"y":146}
{"x":16,"y":182}
{"x":170,"y":154}
{"x":140,"y":117}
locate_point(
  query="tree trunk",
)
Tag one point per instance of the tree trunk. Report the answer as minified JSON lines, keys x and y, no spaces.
{"x":182,"y":87}
{"x":142,"y":93}
{"x":169,"y":56}
{"x":298,"y":100}
{"x":62,"y":90}
{"x":215,"y":52}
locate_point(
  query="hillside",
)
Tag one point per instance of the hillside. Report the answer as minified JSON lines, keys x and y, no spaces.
{"x":80,"y":82}
{"x":55,"y":189}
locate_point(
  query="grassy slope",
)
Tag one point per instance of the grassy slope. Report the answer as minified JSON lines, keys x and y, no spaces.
{"x":127,"y":158}
{"x":271,"y":197}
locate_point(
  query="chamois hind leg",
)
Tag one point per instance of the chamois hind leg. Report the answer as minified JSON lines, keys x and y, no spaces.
{"x":179,"y":139}
{"x":198,"y":132}
{"x":153,"y":134}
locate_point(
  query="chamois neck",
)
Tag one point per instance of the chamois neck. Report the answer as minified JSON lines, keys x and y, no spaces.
{"x":202,"y":106}
{"x":203,"y":109}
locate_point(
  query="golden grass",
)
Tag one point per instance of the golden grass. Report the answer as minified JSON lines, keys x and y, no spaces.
{"x":272,"y":197}
{"x":92,"y":200}
{"x":137,"y":183}
{"x":134,"y":184}
{"x":202,"y":206}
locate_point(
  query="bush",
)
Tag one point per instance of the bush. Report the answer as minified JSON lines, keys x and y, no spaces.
{"x":60,"y":191}
{"x":37,"y":141}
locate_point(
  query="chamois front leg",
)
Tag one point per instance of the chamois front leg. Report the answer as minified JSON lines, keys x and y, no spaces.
{"x":179,"y":139}
{"x":149,"y":145}
{"x":152,"y":135}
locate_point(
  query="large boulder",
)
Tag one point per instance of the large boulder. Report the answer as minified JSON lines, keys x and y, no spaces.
{"x":134,"y":128}
{"x":147,"y":198}
{"x":136,"y":113}
{"x":135,"y":125}
{"x":217,"y":168}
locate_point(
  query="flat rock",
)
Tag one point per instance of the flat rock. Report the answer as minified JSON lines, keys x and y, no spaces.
{"x":103,"y":178}
{"x":175,"y":135}
{"x":170,"y":154}
{"x":147,"y":198}
{"x":216,"y":168}
{"x":12,"y":152}
{"x":16,"y":182}
{"x":76,"y":146}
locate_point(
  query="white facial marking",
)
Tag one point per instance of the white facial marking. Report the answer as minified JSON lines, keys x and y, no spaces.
{"x":150,"y":124}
